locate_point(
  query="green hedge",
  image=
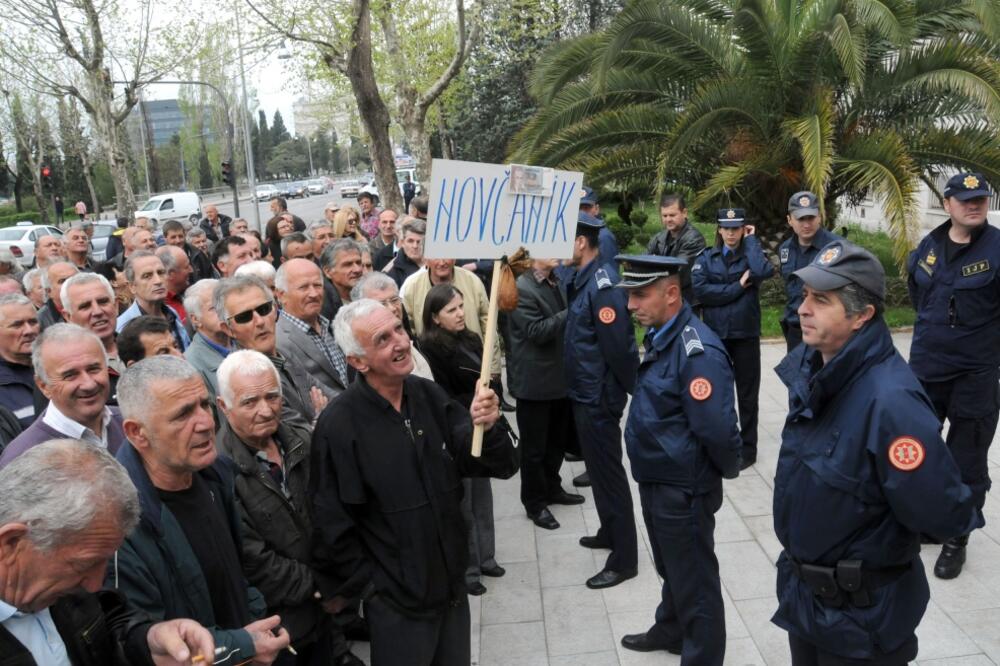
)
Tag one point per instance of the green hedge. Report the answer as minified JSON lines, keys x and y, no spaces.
{"x":26,"y":216}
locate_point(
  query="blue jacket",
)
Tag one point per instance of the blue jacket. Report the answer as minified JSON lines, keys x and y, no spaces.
{"x":681,"y":427}
{"x":17,"y":391}
{"x":607,"y":246}
{"x":729,"y":309}
{"x":838,"y":496}
{"x":601,"y":355}
{"x":792,"y":257}
{"x":957,"y":304}
{"x":157,"y":570}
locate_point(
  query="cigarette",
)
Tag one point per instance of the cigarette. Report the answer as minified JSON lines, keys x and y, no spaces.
{"x":198,"y":658}
{"x":292,"y":650}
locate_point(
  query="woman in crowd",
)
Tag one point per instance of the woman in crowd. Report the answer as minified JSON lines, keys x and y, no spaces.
{"x":455,"y":355}
{"x":346,"y":224}
{"x":278,"y":227}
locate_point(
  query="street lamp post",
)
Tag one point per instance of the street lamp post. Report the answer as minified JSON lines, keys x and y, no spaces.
{"x":309,"y":148}
{"x":245,"y":111}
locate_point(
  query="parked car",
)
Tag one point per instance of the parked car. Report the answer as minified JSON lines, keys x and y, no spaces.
{"x":349,"y":189}
{"x":20,"y":239}
{"x":298,"y":190}
{"x":317,"y":186}
{"x":171,"y":206}
{"x":266,"y":192}
{"x":99,"y":242}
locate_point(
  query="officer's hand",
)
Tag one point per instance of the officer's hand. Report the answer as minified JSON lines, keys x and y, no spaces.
{"x":267,"y":644}
{"x":749,"y":229}
{"x":745,"y":279}
{"x":177,"y":642}
{"x":318,"y":399}
{"x":485,"y":407}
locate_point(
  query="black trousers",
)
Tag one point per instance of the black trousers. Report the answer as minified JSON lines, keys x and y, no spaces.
{"x":545,"y":427}
{"x":793,"y":335}
{"x":971,"y":403}
{"x":807,"y":654}
{"x":400,"y":640}
{"x":745,"y":353}
{"x":321,"y":652}
{"x":681,"y":531}
{"x":599,"y":427}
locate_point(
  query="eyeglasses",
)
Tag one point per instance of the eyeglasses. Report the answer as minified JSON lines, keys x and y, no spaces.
{"x":392,"y":301}
{"x":246,"y":316}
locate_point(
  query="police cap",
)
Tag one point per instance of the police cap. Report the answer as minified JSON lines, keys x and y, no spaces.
{"x":588,"y":198}
{"x":639,"y":270}
{"x":588,"y":225}
{"x":731,"y":218}
{"x":803,"y":204}
{"x":841,"y":263}
{"x":965,"y":186}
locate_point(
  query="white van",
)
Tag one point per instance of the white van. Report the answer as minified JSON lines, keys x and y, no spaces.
{"x":184,"y":206}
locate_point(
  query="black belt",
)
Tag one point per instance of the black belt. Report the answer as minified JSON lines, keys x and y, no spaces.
{"x":849,"y":580}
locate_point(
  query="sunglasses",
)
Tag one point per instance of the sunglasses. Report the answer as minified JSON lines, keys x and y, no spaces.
{"x":246,"y":316}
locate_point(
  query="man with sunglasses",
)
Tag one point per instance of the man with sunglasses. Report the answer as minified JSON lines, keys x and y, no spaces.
{"x":248,"y":315}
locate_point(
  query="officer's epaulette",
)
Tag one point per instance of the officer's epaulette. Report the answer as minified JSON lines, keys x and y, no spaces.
{"x":692,"y":342}
{"x":603,"y":280}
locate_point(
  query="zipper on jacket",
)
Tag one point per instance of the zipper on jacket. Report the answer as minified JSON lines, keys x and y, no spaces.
{"x":409,"y":430}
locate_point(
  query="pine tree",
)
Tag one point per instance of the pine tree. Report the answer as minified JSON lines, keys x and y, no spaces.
{"x":205,"y":180}
{"x":321,"y":151}
{"x":279,"y":133}
{"x":262,"y":148}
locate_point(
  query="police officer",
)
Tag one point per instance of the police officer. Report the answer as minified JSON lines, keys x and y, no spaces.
{"x":607,"y":244}
{"x":601,"y":361}
{"x":682,"y":439}
{"x":862,"y":473}
{"x":808,"y":236}
{"x":725,"y":280}
{"x":955,"y":289}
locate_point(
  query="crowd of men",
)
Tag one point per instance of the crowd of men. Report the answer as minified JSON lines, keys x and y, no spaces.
{"x":224,"y":446}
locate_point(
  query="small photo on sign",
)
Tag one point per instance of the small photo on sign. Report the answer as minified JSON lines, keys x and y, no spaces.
{"x":536,"y":181}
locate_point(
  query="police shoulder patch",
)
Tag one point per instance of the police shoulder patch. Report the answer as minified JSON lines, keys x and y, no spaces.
{"x":603,"y":279}
{"x":906,"y":453}
{"x":607,"y":315}
{"x":784,"y":255}
{"x":700,"y":388}
{"x":692,"y":341}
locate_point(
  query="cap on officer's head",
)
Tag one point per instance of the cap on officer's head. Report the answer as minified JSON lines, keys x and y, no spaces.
{"x":730,"y":218}
{"x":841,"y":263}
{"x":803,"y":204}
{"x":639,"y":270}
{"x":588,"y":198}
{"x":965,"y":186}
{"x":588,"y":225}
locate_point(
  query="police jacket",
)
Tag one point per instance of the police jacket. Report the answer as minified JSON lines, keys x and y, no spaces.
{"x":384,"y":490}
{"x":537,"y":339}
{"x":17,"y":391}
{"x":688,"y":244}
{"x":681,"y":427}
{"x":98,"y":630}
{"x":957,"y":303}
{"x":731,"y":310}
{"x":791,"y":257}
{"x":862,"y":472}
{"x":600,"y":351}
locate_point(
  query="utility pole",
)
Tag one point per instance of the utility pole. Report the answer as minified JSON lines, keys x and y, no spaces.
{"x":309,"y":148}
{"x":245,"y":111}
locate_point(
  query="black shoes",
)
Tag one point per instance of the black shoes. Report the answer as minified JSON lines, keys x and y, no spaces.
{"x":949,"y":562}
{"x":749,"y":458}
{"x":582,"y":481}
{"x":594,"y":542}
{"x":609,"y":578}
{"x":475,"y":589}
{"x":348,"y":659}
{"x":506,"y":406}
{"x":496,"y":571}
{"x":568,"y":499}
{"x":747,"y":463}
{"x":646,"y":643}
{"x":544,"y":519}
{"x":572,"y":457}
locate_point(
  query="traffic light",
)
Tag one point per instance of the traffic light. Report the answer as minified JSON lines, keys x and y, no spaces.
{"x":228,"y":176}
{"x":46,"y":175}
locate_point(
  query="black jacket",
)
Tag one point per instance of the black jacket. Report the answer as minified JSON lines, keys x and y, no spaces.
{"x":385,"y":489}
{"x":201,"y":264}
{"x":456,"y":362}
{"x":224,"y":221}
{"x":381,"y":258}
{"x":276,"y":529}
{"x":687,"y":245}
{"x":402,"y":268}
{"x":97,"y":629}
{"x":332,"y":302}
{"x":537,"y":333}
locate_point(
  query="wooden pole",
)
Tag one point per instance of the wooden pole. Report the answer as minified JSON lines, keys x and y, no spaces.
{"x":488,"y":344}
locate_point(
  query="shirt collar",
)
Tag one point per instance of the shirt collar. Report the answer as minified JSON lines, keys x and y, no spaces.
{"x":6,"y":611}
{"x":223,"y":351}
{"x":59,"y":421}
{"x":655,"y":332}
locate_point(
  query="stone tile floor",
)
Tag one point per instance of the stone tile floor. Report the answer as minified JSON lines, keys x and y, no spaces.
{"x":541,"y":613}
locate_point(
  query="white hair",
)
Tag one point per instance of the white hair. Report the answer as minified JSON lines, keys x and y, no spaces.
{"x":236,"y":285}
{"x":135,"y":392}
{"x":46,"y":284}
{"x":83,"y":278}
{"x":61,"y":333}
{"x":344,"y":320}
{"x":262,"y":270}
{"x":59,"y":487}
{"x":13,"y":299}
{"x":245,"y":363}
{"x":374,"y":281}
{"x":30,"y":277}
{"x":194,"y":294}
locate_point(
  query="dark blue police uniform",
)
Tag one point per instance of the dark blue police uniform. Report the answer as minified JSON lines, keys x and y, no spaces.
{"x":682,"y":438}
{"x":791,"y":257}
{"x":732,"y":311}
{"x":600,"y":363}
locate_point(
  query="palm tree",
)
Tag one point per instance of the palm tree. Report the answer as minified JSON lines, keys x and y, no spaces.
{"x":747,"y":101}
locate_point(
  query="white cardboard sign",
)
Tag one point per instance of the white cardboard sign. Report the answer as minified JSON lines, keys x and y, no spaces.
{"x":473,"y":214}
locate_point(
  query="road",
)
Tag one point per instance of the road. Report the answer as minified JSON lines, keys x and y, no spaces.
{"x":309,"y":209}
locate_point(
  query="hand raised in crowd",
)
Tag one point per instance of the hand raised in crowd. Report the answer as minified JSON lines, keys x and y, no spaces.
{"x":177,"y":642}
{"x":749,"y":230}
{"x":745,"y":279}
{"x":319,"y":400}
{"x":485,"y":408}
{"x":266,"y":644}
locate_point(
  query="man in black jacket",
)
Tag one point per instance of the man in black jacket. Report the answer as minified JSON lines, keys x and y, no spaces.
{"x":385,"y":490}
{"x":51,"y":567}
{"x":678,"y":239}
{"x":215,"y":224}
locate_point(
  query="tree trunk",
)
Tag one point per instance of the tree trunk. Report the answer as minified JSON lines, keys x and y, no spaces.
{"x":43,"y":202}
{"x":88,"y":176}
{"x":111,"y":140}
{"x":447,"y":144}
{"x":414,"y":124}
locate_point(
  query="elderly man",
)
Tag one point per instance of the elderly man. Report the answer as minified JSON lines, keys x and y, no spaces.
{"x":296,"y":245}
{"x":304,"y":333}
{"x":72,"y":372}
{"x":272,"y":477}
{"x":330,"y":211}
{"x":230,"y":253}
{"x":47,"y":250}
{"x":18,"y":330}
{"x":411,"y":242}
{"x":179,"y":271}
{"x":32,"y":283}
{"x":245,"y":307}
{"x":183,"y":558}
{"x":239,"y":226}
{"x":380,"y":287}
{"x":147,"y":278}
{"x":386,"y":235}
{"x":198,"y":239}
{"x":341,"y":264}
{"x":90,"y":302}
{"x":215,"y":226}
{"x":78,"y":248}
{"x":134,"y":239}
{"x":321,"y":235}
{"x":52,"y":281}
{"x":201,"y":265}
{"x":385,"y":446}
{"x":53,"y":555}
{"x":260,"y":269}
{"x":146,"y":336}
{"x":210,"y":344}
